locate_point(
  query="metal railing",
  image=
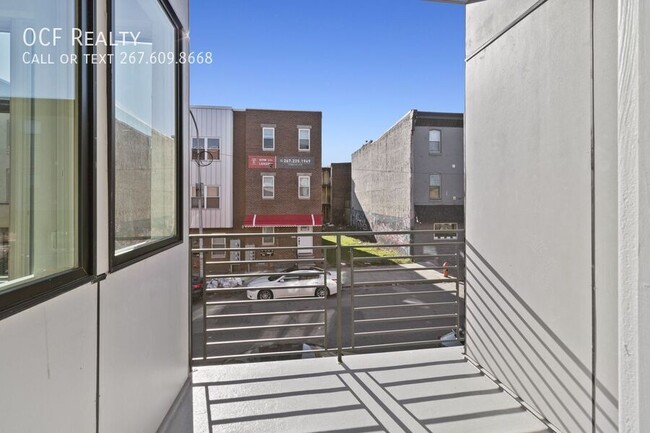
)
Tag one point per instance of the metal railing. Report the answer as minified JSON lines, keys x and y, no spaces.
{"x":402,"y":291}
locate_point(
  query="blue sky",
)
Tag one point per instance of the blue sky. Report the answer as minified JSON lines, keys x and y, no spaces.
{"x":363,"y":63}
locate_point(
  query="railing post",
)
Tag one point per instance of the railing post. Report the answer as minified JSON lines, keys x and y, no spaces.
{"x":325,"y":338}
{"x":352,"y":297}
{"x":458,"y":292}
{"x":204,"y":300}
{"x":339,"y":286}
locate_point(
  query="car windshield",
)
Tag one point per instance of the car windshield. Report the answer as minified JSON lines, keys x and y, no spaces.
{"x":293,"y":268}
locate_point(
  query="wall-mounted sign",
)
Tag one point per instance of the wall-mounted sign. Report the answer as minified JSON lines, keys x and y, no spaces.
{"x":295,"y":161}
{"x":261,"y":161}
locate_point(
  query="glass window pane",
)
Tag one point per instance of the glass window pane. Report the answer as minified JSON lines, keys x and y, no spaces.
{"x":268,"y":136}
{"x":39,"y":176}
{"x":145,"y":129}
{"x":434,"y":141}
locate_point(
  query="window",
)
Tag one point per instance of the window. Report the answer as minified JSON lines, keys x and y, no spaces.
{"x":210,"y":197}
{"x":434,"y":187}
{"x":268,"y":240}
{"x":268,"y":138}
{"x":304,"y":187}
{"x":146,"y":201}
{"x":206,"y":149}
{"x":45,"y":181}
{"x":439,"y":228}
{"x":218,"y":243}
{"x":304,"y":139}
{"x":268,"y":187}
{"x":435,"y":144}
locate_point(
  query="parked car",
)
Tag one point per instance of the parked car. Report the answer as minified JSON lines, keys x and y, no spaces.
{"x":197,"y":286}
{"x":291,"y":283}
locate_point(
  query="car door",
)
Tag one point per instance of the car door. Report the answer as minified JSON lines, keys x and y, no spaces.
{"x":287,"y":286}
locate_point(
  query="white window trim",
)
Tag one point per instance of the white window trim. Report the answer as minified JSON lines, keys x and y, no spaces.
{"x":204,"y":148}
{"x":309,"y":195}
{"x":429,"y":142}
{"x":264,"y":238}
{"x":218,"y":254}
{"x":273,"y":190}
{"x":205,"y":197}
{"x":308,"y":139}
{"x":264,"y":128}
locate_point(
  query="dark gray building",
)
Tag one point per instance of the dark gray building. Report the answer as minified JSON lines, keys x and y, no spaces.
{"x":412,"y":177}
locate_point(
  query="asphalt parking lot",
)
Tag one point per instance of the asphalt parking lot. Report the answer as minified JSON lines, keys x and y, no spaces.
{"x":411,"y":298}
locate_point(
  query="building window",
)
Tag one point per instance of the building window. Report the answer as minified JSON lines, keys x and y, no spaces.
{"x":210,"y":197}
{"x":146,"y":198}
{"x":304,"y":187}
{"x":218,"y":243}
{"x":268,"y":240}
{"x":304,"y":139}
{"x":434,"y":187}
{"x":206,"y":149}
{"x":445,"y":231}
{"x":46,"y":118}
{"x":268,"y":138}
{"x":268,"y":187}
{"x":435,"y":143}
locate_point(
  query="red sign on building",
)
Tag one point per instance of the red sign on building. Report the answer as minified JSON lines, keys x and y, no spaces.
{"x":261,"y":161}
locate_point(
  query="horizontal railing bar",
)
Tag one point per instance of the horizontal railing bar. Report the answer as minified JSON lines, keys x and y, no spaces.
{"x":279,"y":326}
{"x":401,"y":344}
{"x":229,"y":289}
{"x":253,"y":355}
{"x":419,"y":244}
{"x":424,"y":304}
{"x":255,"y":301}
{"x":263,"y":340}
{"x":265,"y":274}
{"x":405,"y":318}
{"x":226,"y":249}
{"x":423,"y":292}
{"x":400,"y":269}
{"x":394,"y":282}
{"x":319,"y":233}
{"x":245,"y":262}
{"x":270,"y":313}
{"x":402,"y":331}
{"x":412,"y":256}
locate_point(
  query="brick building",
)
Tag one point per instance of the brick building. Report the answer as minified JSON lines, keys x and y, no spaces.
{"x":276,"y":184}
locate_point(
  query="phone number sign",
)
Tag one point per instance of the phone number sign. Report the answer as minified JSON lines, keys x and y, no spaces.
{"x":295,"y":161}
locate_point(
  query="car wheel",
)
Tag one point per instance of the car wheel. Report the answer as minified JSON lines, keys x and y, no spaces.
{"x":265,"y":294}
{"x":322,"y":292}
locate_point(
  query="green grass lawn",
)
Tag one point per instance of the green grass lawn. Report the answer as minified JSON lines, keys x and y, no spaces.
{"x":361,"y":249}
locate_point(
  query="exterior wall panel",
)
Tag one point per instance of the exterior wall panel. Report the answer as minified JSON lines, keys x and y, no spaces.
{"x":528,"y":208}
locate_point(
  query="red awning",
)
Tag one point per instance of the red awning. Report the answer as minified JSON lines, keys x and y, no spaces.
{"x":260,"y":220}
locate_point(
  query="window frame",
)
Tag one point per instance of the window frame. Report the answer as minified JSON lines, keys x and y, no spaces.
{"x":300,"y":197}
{"x":205,"y":196}
{"x":217,"y":254}
{"x":135,"y":255}
{"x":439,"y":152}
{"x":29,"y":293}
{"x":438,"y":235}
{"x":265,"y":238}
{"x":264,"y":176}
{"x":439,"y":186}
{"x":308,"y":139}
{"x":204,"y":148}
{"x":264,"y":128}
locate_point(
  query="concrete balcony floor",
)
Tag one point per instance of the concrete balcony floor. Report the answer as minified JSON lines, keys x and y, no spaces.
{"x":430,"y":390}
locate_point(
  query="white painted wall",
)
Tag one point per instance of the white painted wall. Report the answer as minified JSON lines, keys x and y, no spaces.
{"x":215,"y":122}
{"x":528,"y":206}
{"x":48,"y":365}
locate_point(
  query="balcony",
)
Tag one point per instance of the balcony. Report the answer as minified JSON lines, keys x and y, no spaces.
{"x":427,"y":390}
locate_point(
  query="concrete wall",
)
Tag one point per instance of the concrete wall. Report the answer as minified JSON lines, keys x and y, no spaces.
{"x":449,"y":164}
{"x":529,"y":252}
{"x":381,"y":180}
